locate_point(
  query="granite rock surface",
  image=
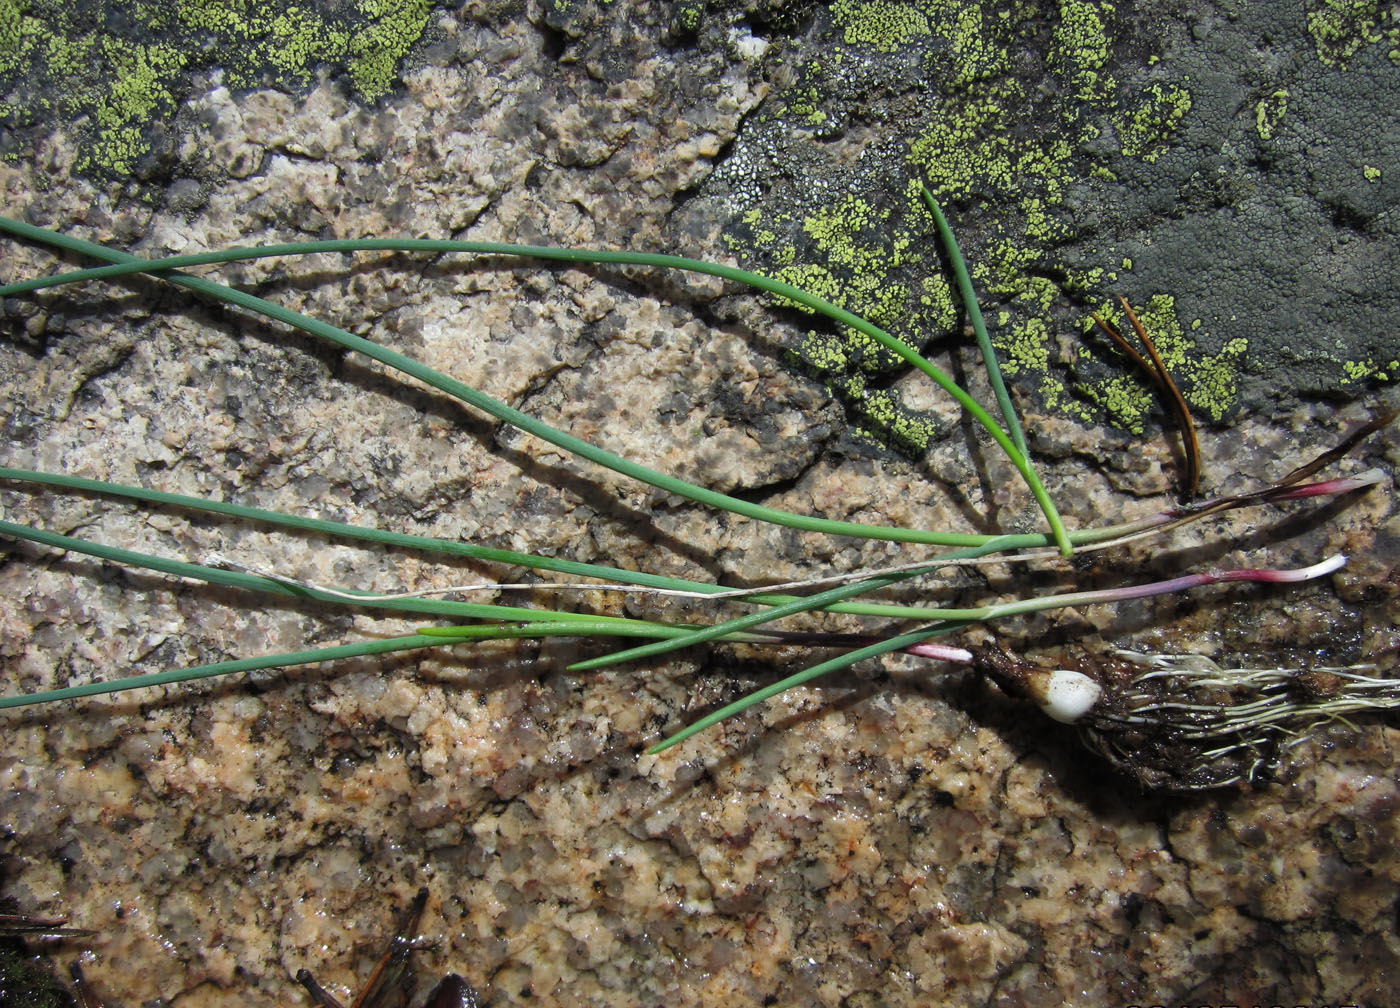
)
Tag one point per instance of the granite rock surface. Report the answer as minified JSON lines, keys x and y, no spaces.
{"x":904,"y":834}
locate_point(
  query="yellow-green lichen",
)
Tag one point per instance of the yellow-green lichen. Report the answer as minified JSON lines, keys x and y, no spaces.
{"x":852,"y":237}
{"x":960,"y":152}
{"x":1144,"y":131}
{"x":689,"y":15}
{"x":969,"y":144}
{"x":807,"y":104}
{"x":138,"y":91}
{"x":1025,"y":348}
{"x":825,"y":351}
{"x":1209,"y":382}
{"x":813,"y":279}
{"x":1371,"y":173}
{"x":1081,"y":280}
{"x":1080,"y":48}
{"x":1269,"y":113}
{"x":887,"y":411}
{"x":224,"y":16}
{"x":889,"y":25}
{"x":884,"y":24}
{"x":1023,"y":340}
{"x":11,"y":26}
{"x":936,"y":299}
{"x":835,"y":231}
{"x":1213,"y":380}
{"x":303,"y":42}
{"x":852,"y":250}
{"x":1340,"y":28}
{"x":375,"y":51}
{"x":1368,"y":370}
{"x":976,"y":53}
{"x":114,"y":79}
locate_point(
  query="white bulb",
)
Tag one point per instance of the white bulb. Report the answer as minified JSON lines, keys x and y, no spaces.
{"x":1063,"y":694}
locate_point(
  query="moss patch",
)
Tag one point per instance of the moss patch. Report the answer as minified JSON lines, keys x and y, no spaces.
{"x":25,"y":982}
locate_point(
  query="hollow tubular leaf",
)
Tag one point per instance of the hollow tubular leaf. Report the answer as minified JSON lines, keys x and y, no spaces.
{"x":979,"y":325}
{"x":806,"y":604}
{"x":806,"y":675}
{"x":122,"y":263}
{"x":450,"y":547}
{"x":359,"y":649}
{"x":954,"y":622}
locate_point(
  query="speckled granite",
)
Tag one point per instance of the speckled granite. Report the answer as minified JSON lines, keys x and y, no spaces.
{"x":900,"y":837}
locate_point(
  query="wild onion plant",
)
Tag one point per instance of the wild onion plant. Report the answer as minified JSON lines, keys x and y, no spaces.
{"x":1106,"y":704}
